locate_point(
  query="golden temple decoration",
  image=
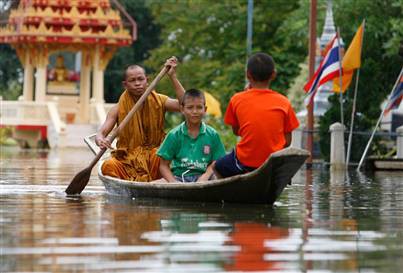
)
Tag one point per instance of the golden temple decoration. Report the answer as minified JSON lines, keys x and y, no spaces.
{"x":106,"y":55}
{"x":65,"y":21}
{"x":38,"y":29}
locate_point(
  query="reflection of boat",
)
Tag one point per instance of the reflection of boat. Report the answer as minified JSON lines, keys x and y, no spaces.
{"x":264,"y":185}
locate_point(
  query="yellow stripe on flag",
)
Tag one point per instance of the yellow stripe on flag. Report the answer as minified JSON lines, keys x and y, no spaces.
{"x":351,"y":61}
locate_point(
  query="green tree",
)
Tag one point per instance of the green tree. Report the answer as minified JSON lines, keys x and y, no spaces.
{"x":11,"y":73}
{"x":10,"y":66}
{"x":211,"y":42}
{"x":382,"y":58}
{"x":148,"y":38}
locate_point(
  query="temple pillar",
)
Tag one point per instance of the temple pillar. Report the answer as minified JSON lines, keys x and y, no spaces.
{"x":40,"y":75}
{"x":40,"y":83}
{"x":97,"y":78}
{"x":28,"y":78}
{"x":85,"y":87}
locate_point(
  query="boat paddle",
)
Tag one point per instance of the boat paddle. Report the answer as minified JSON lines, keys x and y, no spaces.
{"x":81,"y":179}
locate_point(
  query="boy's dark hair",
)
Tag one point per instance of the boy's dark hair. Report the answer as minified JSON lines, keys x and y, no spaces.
{"x":132,"y":66}
{"x":193,"y":93}
{"x":260,"y":66}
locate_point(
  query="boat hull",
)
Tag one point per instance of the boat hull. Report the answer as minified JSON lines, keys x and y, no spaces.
{"x":262,"y":186}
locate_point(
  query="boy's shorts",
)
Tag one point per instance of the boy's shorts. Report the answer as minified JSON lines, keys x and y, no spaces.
{"x":229,"y":165}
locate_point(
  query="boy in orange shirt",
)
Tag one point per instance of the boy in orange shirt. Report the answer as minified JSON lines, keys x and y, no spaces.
{"x":263,"y":118}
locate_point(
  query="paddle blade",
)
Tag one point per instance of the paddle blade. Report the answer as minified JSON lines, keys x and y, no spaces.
{"x":79,"y":181}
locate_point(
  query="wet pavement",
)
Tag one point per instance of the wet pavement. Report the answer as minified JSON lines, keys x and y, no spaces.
{"x":325,"y":222}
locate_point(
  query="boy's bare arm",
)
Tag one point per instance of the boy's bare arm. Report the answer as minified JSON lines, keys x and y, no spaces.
{"x":209,"y":172}
{"x":165,"y":170}
{"x":111,"y":119}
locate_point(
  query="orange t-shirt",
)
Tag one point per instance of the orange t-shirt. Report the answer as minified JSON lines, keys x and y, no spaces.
{"x":263,"y":117}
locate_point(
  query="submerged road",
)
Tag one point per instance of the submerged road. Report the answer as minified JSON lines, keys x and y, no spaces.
{"x":324,"y":222}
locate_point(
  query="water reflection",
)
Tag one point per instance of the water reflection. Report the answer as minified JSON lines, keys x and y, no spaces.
{"x":325,"y":222}
{"x":255,"y":241}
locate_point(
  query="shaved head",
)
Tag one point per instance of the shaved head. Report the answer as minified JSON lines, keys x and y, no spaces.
{"x":131,"y":67}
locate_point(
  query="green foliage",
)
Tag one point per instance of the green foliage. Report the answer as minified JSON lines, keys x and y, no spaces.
{"x":5,"y":132}
{"x":10,"y":73}
{"x":148,"y":38}
{"x":295,"y":92}
{"x":211,"y":42}
{"x":227,"y":136}
{"x":211,"y":45}
{"x":6,"y":137}
{"x":382,"y":58}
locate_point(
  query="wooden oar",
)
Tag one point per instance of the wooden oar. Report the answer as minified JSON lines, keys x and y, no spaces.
{"x":81,"y":179}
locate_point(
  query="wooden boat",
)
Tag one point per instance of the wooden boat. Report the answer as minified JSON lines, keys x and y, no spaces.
{"x":263,"y":185}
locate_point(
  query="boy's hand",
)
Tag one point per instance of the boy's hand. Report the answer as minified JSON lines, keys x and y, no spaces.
{"x":171,"y":63}
{"x":204,"y":177}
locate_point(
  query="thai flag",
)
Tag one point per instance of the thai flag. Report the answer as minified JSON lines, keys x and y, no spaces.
{"x":396,"y":96}
{"x":328,"y":69}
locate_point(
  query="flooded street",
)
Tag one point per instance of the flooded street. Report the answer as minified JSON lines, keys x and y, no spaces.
{"x":324,"y":222}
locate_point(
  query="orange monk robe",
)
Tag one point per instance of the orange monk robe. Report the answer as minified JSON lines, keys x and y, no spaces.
{"x":135,"y":158}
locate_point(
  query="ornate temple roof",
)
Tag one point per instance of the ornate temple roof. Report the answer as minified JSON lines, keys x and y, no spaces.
{"x":66,"y":22}
{"x":329,"y":28}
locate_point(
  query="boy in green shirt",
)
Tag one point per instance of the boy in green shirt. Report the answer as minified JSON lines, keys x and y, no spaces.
{"x":189,"y":149}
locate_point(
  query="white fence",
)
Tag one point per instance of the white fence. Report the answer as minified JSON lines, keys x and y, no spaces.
{"x":30,"y":113}
{"x":48,"y":114}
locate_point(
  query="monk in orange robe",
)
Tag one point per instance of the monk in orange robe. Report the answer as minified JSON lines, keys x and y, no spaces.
{"x":135,"y":158}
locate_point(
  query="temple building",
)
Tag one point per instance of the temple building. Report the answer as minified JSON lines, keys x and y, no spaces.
{"x":64,"y":47}
{"x":321,"y":103}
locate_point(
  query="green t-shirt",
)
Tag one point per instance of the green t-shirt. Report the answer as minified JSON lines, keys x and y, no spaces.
{"x":193,"y":154}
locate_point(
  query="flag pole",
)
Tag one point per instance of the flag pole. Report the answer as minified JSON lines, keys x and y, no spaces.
{"x":350,"y":135}
{"x":312,"y":50}
{"x":379,"y":121}
{"x":249,"y":32}
{"x":341,"y":79}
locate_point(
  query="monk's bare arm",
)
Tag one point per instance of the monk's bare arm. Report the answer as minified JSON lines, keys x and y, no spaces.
{"x":111,"y":119}
{"x":165,"y":170}
{"x":288,"y":139}
{"x":173,"y":105}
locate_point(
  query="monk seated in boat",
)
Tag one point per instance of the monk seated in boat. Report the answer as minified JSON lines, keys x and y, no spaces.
{"x":263,"y":118}
{"x":189,"y":149}
{"x":135,"y":158}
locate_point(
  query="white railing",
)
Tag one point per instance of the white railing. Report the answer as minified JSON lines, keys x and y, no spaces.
{"x":23,"y":112}
{"x":30,"y":113}
{"x":41,"y":113}
{"x":58,"y":124}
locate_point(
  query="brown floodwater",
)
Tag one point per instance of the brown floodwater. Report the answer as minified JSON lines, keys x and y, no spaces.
{"x":325,"y":222}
